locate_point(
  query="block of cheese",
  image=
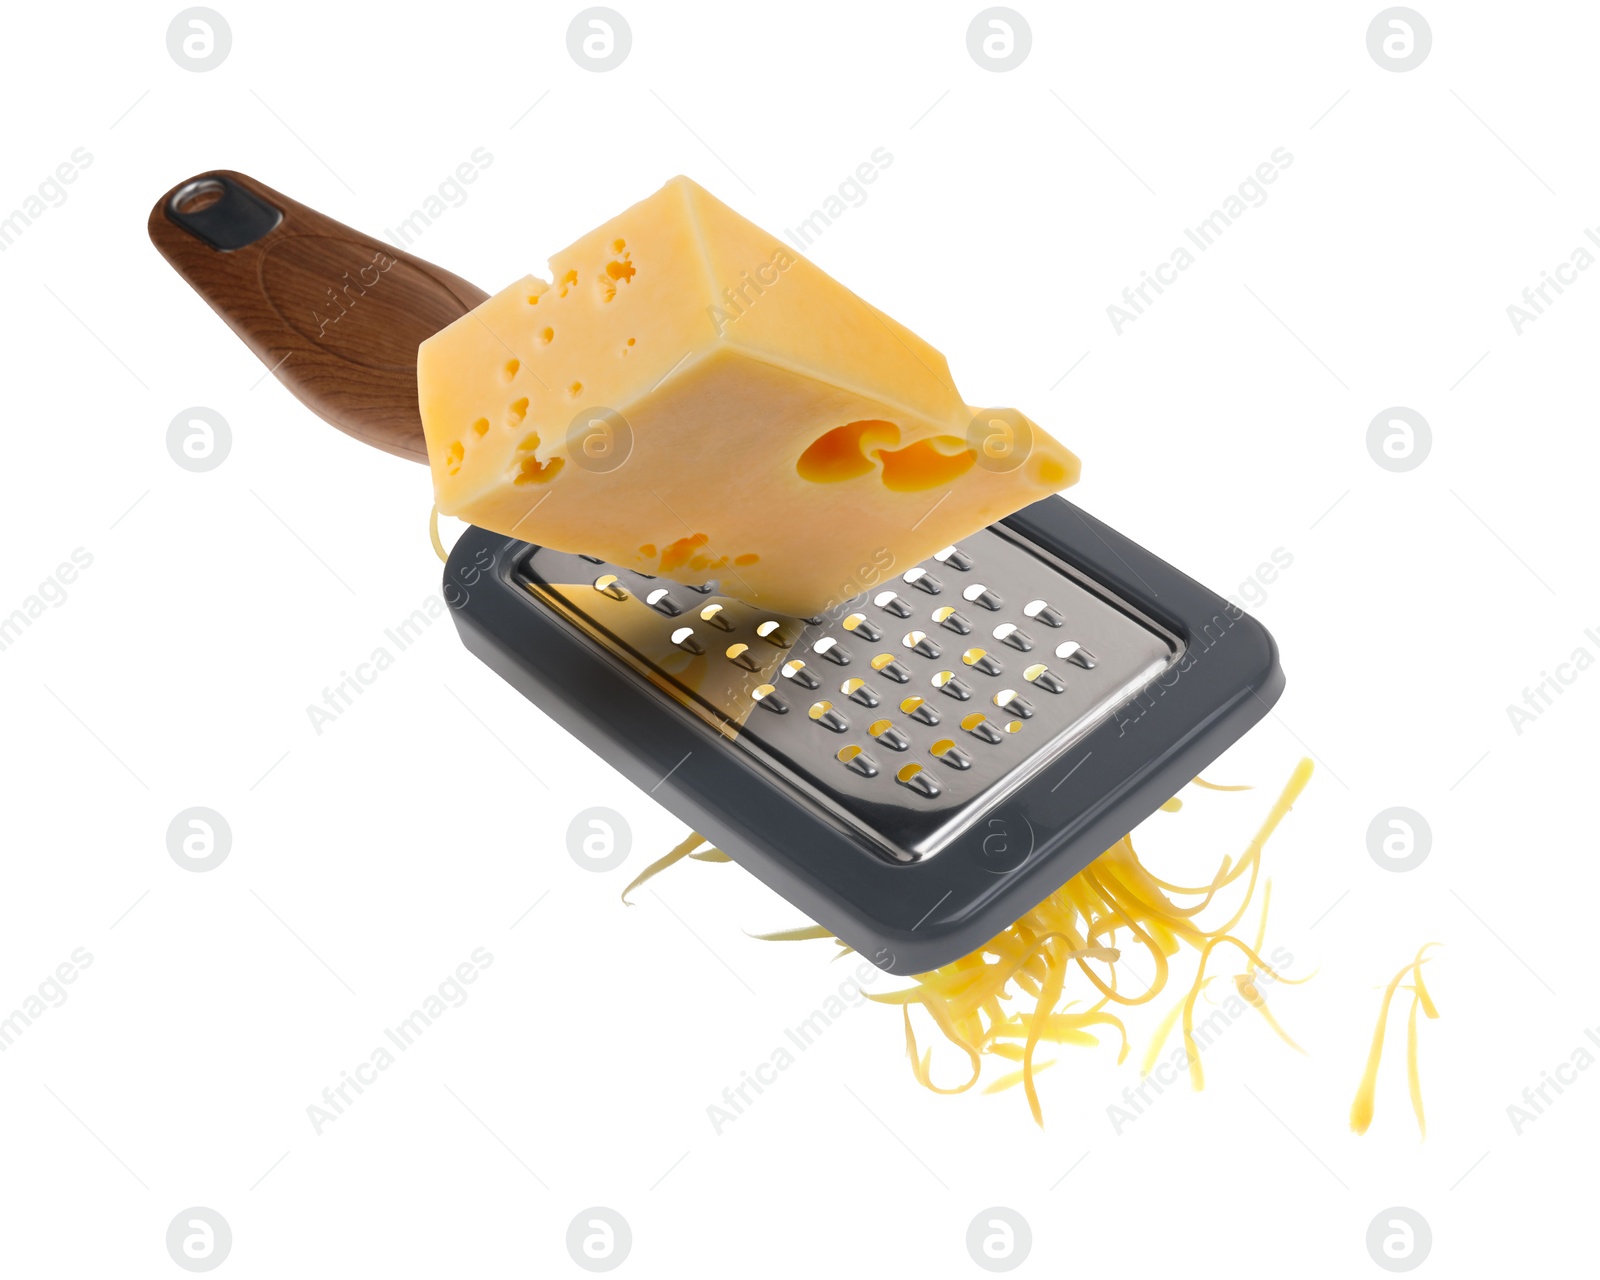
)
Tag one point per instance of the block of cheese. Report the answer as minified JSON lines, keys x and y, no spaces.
{"x":689,"y":397}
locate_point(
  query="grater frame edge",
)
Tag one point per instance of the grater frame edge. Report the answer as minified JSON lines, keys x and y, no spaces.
{"x":941,"y":908}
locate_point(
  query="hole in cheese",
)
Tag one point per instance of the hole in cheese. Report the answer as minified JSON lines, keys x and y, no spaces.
{"x":841,"y":454}
{"x":926,"y":464}
{"x":533,"y":471}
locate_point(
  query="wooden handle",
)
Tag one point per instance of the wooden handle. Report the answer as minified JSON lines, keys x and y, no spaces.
{"x":335,"y":314}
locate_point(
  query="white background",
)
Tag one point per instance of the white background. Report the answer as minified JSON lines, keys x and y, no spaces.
{"x":367,"y":862}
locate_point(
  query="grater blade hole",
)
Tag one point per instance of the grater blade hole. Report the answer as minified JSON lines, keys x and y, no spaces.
{"x":1076,"y":654}
{"x":857,"y":760}
{"x":886,"y":732}
{"x":947,"y":682}
{"x":1012,"y":701}
{"x":832,"y":650}
{"x":977,"y":724}
{"x":858,"y":690}
{"x":796,"y":670}
{"x":916,"y":777}
{"x":662,"y":602}
{"x":919,"y":710}
{"x":1042,"y":677}
{"x":825,"y":715}
{"x":982,"y":660}
{"x":858,"y":625}
{"x":683,"y":637}
{"x":948,"y":753}
{"x":886,"y":665}
{"x":1040,"y":611}
{"x":767,"y":698}
{"x":773,"y":633}
{"x":1013,"y":635}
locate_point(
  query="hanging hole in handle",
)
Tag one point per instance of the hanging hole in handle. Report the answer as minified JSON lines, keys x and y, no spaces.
{"x":221,"y":212}
{"x":192,"y":197}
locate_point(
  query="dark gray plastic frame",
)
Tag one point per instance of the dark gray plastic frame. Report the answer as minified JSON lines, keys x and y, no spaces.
{"x":906,"y":917}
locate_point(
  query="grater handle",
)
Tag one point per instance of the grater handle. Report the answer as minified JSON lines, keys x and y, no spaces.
{"x":336,"y":315}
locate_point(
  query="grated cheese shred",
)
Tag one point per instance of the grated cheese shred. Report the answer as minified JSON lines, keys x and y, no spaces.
{"x":1362,"y":1108}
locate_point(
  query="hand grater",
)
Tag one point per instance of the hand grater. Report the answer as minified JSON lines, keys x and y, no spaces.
{"x":913,"y":769}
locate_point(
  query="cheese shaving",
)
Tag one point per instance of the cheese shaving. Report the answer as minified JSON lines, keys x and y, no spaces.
{"x":1362,"y":1108}
{"x":1075,"y":932}
{"x":433,"y":535}
{"x":686,"y":849}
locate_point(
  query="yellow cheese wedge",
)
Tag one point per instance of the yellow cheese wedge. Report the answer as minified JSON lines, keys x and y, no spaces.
{"x":691,"y":398}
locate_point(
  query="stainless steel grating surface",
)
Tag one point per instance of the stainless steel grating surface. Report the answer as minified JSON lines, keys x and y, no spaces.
{"x":909,"y":711}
